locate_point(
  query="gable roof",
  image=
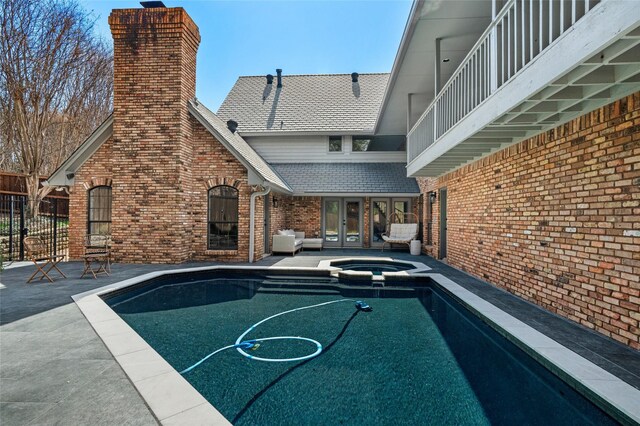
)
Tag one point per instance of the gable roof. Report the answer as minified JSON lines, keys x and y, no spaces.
{"x":348,"y":178}
{"x":259,"y":171}
{"x":82,"y":153}
{"x":328,"y":103}
{"x":237,"y":146}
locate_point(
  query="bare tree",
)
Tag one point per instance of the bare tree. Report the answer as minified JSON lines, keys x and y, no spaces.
{"x":56,"y":82}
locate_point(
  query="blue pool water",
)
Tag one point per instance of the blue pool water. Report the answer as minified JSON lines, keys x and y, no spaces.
{"x":417,"y":358}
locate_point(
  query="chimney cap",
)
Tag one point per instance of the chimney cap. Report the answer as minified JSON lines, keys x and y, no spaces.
{"x":232,"y":125}
{"x":152,"y":4}
{"x":269,"y":79}
{"x":354,"y":77}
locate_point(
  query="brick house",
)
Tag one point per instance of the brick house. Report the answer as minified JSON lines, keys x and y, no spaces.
{"x":171,"y":181}
{"x":316,"y":132}
{"x":523,"y":129}
{"x":512,"y":133}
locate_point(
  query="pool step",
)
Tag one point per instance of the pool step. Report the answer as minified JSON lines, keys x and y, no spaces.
{"x":310,"y":285}
{"x":293,"y":290}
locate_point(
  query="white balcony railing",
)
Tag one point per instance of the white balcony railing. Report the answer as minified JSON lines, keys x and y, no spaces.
{"x":521,"y":31}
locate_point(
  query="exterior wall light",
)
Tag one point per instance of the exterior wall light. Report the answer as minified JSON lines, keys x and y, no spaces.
{"x":432,"y":197}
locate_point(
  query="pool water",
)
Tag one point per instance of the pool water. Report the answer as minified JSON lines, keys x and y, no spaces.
{"x":417,"y":358}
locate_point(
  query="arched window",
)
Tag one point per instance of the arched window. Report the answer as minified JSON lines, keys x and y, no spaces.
{"x":223,"y":218}
{"x":100,"y":210}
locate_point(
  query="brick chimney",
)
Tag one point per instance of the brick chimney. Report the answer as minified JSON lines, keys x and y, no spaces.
{"x":154,"y":76}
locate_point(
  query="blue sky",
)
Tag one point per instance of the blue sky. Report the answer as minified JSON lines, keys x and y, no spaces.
{"x":301,"y":37}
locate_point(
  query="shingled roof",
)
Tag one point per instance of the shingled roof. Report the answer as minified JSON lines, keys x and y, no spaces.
{"x":305,"y":103}
{"x":342,"y":178}
{"x":236,"y":145}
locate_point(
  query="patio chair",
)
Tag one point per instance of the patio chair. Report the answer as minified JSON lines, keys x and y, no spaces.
{"x":39,"y":254}
{"x":400,"y":233}
{"x":97,"y":256}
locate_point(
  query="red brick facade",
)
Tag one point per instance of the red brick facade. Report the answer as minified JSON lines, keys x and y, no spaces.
{"x":213,"y":165}
{"x":303,"y":214}
{"x":96,"y":171}
{"x":160,"y":162}
{"x":154,"y":78}
{"x":555,"y":219}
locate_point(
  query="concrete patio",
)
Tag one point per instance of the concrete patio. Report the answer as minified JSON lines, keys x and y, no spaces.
{"x":55,"y":370}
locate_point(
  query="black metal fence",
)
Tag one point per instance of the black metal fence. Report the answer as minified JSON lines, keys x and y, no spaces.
{"x":51,"y":223}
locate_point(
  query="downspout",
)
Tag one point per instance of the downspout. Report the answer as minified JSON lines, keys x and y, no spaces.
{"x":252,"y":220}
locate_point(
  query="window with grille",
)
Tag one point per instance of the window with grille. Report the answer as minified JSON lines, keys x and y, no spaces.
{"x":100,"y":210}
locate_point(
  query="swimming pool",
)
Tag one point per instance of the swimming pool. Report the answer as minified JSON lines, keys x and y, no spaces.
{"x":418,"y":357}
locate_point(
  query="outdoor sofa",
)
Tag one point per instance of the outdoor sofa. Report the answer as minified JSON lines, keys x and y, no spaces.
{"x":289,"y":241}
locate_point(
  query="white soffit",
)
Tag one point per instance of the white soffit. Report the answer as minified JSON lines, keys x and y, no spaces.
{"x":458,"y":24}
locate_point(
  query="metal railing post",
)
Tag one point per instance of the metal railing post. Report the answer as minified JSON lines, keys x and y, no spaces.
{"x":55,"y":226}
{"x":23,"y":231}
{"x":11,"y":214}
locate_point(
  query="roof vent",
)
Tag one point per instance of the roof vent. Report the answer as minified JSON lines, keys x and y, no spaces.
{"x":279,"y":72}
{"x":152,"y":4}
{"x":354,"y":77}
{"x":232,"y":126}
{"x":269,"y":79}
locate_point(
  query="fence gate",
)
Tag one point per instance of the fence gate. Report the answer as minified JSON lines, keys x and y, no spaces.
{"x":51,"y":224}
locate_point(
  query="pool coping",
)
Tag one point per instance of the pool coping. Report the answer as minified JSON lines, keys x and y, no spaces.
{"x":174,"y":401}
{"x":418,"y":268}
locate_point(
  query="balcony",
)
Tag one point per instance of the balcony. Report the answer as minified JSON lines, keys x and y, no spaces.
{"x":538,"y":64}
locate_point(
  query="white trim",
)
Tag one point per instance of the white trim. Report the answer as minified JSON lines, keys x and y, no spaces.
{"x":82,"y":154}
{"x":606,"y":22}
{"x":198,"y":116}
{"x":357,"y":194}
{"x":407,"y":35}
{"x":334,"y":132}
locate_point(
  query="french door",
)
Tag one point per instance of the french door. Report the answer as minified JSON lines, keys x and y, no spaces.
{"x":342,"y":222}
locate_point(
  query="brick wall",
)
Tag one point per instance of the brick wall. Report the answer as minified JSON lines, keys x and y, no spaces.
{"x":278,"y":213}
{"x":96,"y":171}
{"x":213,"y":165}
{"x":555,"y":219}
{"x":154,"y":77}
{"x":428,"y":185}
{"x":160,"y":161}
{"x":303,"y":214}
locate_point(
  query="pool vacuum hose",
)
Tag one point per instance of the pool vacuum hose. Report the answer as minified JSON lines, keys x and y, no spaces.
{"x":253,"y":344}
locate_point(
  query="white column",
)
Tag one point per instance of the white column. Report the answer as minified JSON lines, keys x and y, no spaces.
{"x":494,"y":49}
{"x":409,"y":111}
{"x":438,"y":65}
